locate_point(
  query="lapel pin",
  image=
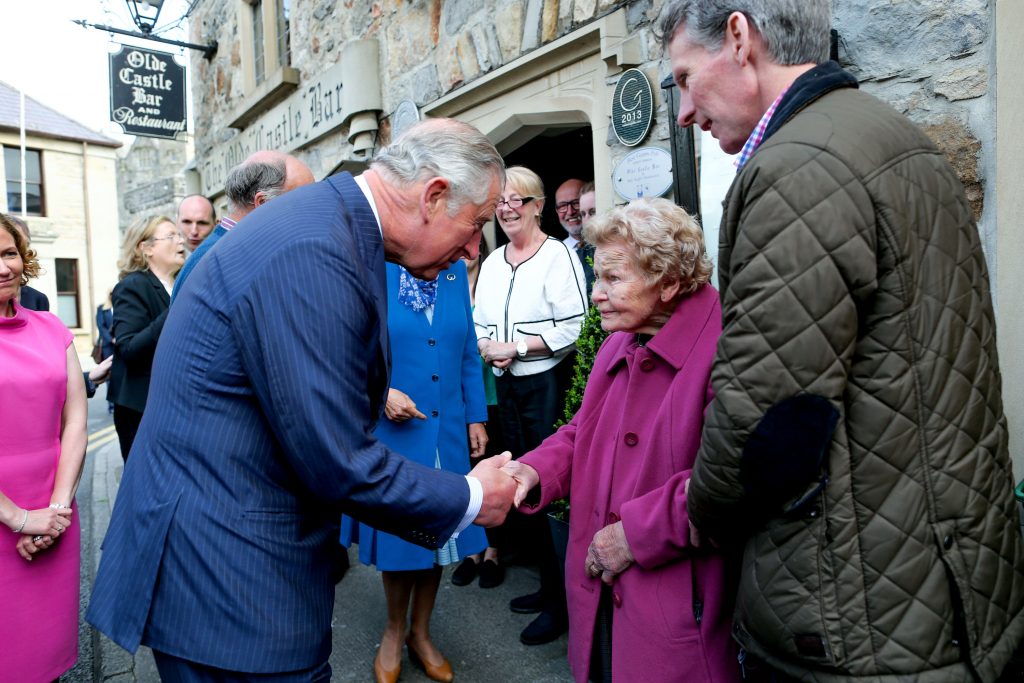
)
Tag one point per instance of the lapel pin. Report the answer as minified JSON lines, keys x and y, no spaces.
{"x":450,"y":276}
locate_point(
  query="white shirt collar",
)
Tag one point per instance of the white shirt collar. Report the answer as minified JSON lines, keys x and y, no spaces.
{"x":365,"y":187}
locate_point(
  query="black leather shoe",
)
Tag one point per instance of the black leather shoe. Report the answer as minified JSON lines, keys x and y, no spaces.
{"x":543,"y":629}
{"x":491,"y":574}
{"x":465,"y":572}
{"x":526,"y":604}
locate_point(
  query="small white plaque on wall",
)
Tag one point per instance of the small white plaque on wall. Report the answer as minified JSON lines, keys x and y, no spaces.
{"x":645,"y":172}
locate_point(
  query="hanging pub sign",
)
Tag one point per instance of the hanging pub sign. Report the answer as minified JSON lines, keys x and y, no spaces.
{"x":147,"y":92}
{"x":632,"y":107}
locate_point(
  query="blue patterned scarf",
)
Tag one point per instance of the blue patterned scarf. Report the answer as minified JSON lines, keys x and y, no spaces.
{"x":415,"y":293}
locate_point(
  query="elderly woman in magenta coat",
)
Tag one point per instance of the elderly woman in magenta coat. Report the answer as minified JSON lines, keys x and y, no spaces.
{"x":435,"y":414}
{"x":645,"y":603}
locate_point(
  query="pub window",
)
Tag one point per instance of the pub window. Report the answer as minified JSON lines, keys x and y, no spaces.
{"x":33,"y":180}
{"x":258,"y":51}
{"x":270,"y":29}
{"x":284,"y":53}
{"x":67,"y":291}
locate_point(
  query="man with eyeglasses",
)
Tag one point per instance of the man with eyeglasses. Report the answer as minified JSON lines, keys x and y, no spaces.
{"x":567,"y":206}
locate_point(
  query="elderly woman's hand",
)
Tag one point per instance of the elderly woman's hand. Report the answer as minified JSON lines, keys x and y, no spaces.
{"x":609,"y":554}
{"x":401,"y":408}
{"x":526,"y":478}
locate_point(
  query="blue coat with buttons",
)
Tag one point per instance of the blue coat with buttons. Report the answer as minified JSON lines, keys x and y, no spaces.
{"x":438,"y":366}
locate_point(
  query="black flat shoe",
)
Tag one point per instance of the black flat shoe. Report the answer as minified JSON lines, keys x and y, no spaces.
{"x":526,"y":604}
{"x":491,"y":574}
{"x":543,"y":629}
{"x":465,"y":572}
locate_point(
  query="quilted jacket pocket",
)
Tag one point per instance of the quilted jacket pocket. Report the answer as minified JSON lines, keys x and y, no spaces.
{"x":789,"y":558}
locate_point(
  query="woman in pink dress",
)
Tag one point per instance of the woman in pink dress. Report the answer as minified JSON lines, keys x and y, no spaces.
{"x":43,"y":413}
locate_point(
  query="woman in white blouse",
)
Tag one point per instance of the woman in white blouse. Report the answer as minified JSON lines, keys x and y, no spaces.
{"x":530,"y":303}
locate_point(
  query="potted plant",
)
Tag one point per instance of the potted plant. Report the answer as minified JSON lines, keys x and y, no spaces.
{"x":590,"y":339}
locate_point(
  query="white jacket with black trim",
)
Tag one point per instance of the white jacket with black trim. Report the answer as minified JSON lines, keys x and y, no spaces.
{"x":543,"y":296}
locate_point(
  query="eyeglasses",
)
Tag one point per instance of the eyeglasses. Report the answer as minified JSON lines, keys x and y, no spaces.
{"x":515,"y":202}
{"x":562,"y":207}
{"x":176,"y":236}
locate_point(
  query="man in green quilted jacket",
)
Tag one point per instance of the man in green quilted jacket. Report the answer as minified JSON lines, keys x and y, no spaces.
{"x":856,"y":446}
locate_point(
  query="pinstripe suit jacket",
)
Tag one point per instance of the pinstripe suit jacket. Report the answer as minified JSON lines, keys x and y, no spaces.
{"x":268,"y":380}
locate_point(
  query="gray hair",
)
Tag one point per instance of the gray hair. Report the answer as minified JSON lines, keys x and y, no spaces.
{"x":666,"y":241}
{"x":248,"y":178}
{"x":443,"y":148}
{"x":794,"y":31}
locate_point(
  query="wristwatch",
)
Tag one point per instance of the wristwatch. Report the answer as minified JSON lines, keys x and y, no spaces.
{"x":521,"y":348}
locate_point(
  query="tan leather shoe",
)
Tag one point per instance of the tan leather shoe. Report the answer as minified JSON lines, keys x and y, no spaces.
{"x":383,"y":675}
{"x":441,"y":672}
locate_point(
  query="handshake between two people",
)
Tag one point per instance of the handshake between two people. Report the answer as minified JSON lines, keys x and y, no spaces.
{"x":505,"y":483}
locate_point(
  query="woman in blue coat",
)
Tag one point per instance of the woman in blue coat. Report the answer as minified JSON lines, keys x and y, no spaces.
{"x":435,"y":413}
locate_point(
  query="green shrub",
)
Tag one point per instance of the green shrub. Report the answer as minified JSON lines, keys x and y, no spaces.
{"x":590,"y":339}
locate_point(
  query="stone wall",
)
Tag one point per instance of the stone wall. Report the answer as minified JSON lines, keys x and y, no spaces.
{"x":930,"y":59}
{"x":150,"y":178}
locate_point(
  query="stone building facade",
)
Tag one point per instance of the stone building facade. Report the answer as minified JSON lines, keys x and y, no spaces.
{"x":152,"y":178}
{"x":328,"y":79}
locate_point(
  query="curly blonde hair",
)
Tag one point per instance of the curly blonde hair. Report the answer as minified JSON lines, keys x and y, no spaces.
{"x":667,"y":242}
{"x":142,"y":230}
{"x":29,"y":259}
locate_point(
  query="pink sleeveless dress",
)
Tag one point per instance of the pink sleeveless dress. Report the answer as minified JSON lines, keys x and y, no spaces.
{"x":38,"y":599}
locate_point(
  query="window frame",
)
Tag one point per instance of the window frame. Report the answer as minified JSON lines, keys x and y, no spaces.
{"x":278,"y":80}
{"x":76,"y":292}
{"x":42,"y":180}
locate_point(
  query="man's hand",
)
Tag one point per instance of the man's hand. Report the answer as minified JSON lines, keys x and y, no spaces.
{"x":101,"y":373}
{"x":609,"y":554}
{"x":499,"y":490}
{"x":696,"y":537}
{"x":401,"y":408}
{"x":477,"y":439}
{"x":526,"y":478}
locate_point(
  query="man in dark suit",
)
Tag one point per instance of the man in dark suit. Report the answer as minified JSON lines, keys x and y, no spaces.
{"x":29,"y":297}
{"x":261,"y":177}
{"x":268,"y":380}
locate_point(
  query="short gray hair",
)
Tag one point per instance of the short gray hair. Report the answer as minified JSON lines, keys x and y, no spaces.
{"x":794,"y":31}
{"x":443,"y":148}
{"x":666,"y":242}
{"x":248,"y":178}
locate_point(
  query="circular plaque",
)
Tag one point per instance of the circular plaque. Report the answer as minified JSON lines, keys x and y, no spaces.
{"x":632,"y":107}
{"x":405,"y":115}
{"x":645,"y":172}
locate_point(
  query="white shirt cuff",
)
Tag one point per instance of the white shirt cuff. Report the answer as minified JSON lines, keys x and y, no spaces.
{"x":476,"y":499}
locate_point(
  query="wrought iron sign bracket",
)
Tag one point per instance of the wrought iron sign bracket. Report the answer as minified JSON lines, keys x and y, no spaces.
{"x":208,"y":50}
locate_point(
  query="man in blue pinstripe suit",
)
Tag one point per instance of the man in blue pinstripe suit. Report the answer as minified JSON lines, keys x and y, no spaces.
{"x":270,"y":374}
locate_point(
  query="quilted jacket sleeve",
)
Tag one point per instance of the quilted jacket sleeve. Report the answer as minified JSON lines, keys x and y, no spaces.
{"x":797,"y":260}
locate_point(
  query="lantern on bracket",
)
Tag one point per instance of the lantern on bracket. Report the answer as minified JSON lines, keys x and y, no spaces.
{"x":145,"y":13}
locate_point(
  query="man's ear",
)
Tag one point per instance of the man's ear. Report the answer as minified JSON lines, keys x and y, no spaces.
{"x":738,"y":37}
{"x":259,"y":199}
{"x":435,"y":195}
